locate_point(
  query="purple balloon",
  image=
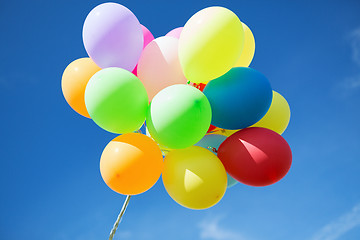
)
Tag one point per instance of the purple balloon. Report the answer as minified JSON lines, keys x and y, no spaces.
{"x":113,"y":37}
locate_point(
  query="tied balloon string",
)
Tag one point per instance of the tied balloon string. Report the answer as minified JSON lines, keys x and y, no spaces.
{"x":213,"y":149}
{"x":119,"y":218}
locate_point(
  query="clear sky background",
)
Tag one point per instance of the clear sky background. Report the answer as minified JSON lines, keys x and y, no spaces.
{"x":50,"y":182}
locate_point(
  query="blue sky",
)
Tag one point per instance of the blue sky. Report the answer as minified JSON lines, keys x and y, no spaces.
{"x":50,"y":182}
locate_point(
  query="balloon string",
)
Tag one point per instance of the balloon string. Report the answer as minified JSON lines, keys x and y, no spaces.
{"x":213,"y":149}
{"x":119,"y":218}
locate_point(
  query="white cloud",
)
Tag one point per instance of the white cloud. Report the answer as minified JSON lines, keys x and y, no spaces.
{"x":351,"y":83}
{"x":210,"y":229}
{"x":355,"y":45}
{"x":337,"y":228}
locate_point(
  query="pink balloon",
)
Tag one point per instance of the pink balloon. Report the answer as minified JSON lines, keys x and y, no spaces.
{"x":159,"y":65}
{"x":175,"y":32}
{"x":148,"y":37}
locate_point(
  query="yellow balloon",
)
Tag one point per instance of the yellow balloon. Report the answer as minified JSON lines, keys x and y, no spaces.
{"x":194,"y":177}
{"x":248,"y":51}
{"x":277,"y":117}
{"x":210,"y":44}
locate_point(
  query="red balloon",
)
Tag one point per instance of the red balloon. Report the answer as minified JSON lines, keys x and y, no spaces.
{"x":212,"y":127}
{"x":256,"y":156}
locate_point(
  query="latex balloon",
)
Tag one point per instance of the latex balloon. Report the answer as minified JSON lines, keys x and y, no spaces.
{"x":73,"y":83}
{"x":256,"y":156}
{"x":175,"y":32}
{"x":248,"y":51}
{"x":277,"y":117}
{"x":211,"y":128}
{"x":113,"y":37}
{"x":239,"y":98}
{"x":164,"y":150}
{"x":148,"y":37}
{"x":212,"y":143}
{"x":131,"y":164}
{"x":194,"y":177}
{"x":179,"y":116}
{"x":116,"y":100}
{"x":210,"y":44}
{"x":159,"y":65}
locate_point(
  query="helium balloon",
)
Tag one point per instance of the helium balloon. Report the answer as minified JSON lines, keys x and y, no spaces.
{"x":163,"y":149}
{"x":131,"y":164}
{"x":239,"y":98}
{"x":113,"y":37}
{"x":148,"y":37}
{"x":175,"y":32}
{"x":211,"y":128}
{"x":247,"y":53}
{"x":256,"y":156}
{"x":212,"y":143}
{"x":194,"y":177}
{"x":210,"y":44}
{"x":116,"y":100}
{"x":159,"y":65}
{"x":179,"y":116}
{"x":278,"y":116}
{"x":73,"y":83}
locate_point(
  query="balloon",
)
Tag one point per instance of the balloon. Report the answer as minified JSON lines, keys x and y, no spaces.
{"x":249,"y":48}
{"x":73,"y":83}
{"x":194,"y":177}
{"x":116,"y":100}
{"x":277,"y":117}
{"x":239,"y":98}
{"x":211,"y":128}
{"x":175,"y":32}
{"x":179,"y":116}
{"x":212,"y":143}
{"x":256,"y":156}
{"x":163,"y":149}
{"x":113,"y":37}
{"x":159,"y":65}
{"x":131,"y":164}
{"x":210,"y":44}
{"x":148,"y":37}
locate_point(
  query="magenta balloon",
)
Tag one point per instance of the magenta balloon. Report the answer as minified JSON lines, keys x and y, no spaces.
{"x":175,"y":32}
{"x":148,"y":37}
{"x":113,"y":37}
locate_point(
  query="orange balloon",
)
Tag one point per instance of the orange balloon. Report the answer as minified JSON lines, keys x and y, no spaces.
{"x":131,"y":163}
{"x":74,"y":80}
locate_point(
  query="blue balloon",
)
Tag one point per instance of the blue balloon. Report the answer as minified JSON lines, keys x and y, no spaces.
{"x":239,"y":98}
{"x":212,"y":142}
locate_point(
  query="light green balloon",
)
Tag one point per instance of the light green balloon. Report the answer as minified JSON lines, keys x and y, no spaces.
{"x":116,"y":100}
{"x":179,"y":116}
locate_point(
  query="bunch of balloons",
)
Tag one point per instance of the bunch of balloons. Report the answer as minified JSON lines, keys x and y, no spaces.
{"x":216,"y":121}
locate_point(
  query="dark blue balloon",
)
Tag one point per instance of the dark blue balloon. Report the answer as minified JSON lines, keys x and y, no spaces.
{"x":239,"y":98}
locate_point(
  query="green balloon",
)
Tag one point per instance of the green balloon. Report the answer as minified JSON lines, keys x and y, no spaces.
{"x":178,"y":116}
{"x":116,"y":100}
